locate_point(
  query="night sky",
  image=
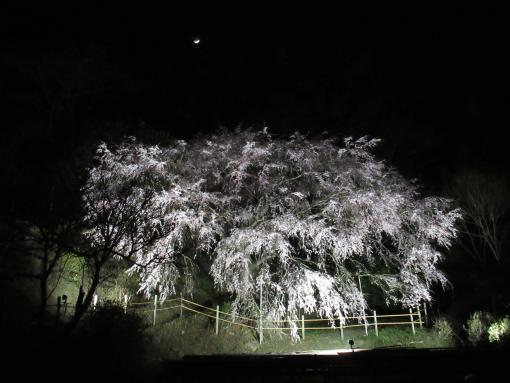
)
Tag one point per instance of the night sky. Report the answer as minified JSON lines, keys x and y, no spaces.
{"x":430,"y":82}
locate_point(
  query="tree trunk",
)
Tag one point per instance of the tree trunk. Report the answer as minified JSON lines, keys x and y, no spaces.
{"x":43,"y":286}
{"x":43,"y":303}
{"x":82,"y":307}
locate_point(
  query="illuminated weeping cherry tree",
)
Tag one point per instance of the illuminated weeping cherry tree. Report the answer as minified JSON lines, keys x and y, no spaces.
{"x":298,"y":219}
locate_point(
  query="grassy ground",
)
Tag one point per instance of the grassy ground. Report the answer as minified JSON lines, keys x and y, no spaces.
{"x":331,"y":339}
{"x":174,"y":337}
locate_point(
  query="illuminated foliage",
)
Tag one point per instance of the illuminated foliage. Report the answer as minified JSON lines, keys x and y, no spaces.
{"x":499,"y":330}
{"x":300,"y":218}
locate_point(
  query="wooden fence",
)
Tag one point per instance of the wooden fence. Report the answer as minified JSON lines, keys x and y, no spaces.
{"x":413,"y":318}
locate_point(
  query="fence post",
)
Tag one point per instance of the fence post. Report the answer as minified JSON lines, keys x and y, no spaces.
{"x":217,"y":318}
{"x":58,"y":308}
{"x":94,"y":304}
{"x":426,"y":314}
{"x":303,"y":327}
{"x":412,"y":319}
{"x":419,"y":317}
{"x":364,"y":315}
{"x":125,"y":303}
{"x":375,"y":322}
{"x":155,"y":308}
{"x":181,"y":307}
{"x":64,"y":298}
{"x":261,"y":328}
{"x":341,"y":329}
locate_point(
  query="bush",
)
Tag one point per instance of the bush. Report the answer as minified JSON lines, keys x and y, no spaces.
{"x":499,"y":331}
{"x":115,"y":339}
{"x":444,"y":332}
{"x":477,"y":327}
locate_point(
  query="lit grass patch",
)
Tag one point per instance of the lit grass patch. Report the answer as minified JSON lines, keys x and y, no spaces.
{"x":195,"y":336}
{"x":331,"y":339}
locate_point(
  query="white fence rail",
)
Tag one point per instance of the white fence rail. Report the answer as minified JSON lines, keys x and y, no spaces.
{"x":412,"y":318}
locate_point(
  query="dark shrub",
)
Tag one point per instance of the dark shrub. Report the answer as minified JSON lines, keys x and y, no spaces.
{"x":114,"y":340}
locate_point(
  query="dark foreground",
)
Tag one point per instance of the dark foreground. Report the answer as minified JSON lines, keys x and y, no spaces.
{"x":382,"y":365}
{"x":81,"y":362}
